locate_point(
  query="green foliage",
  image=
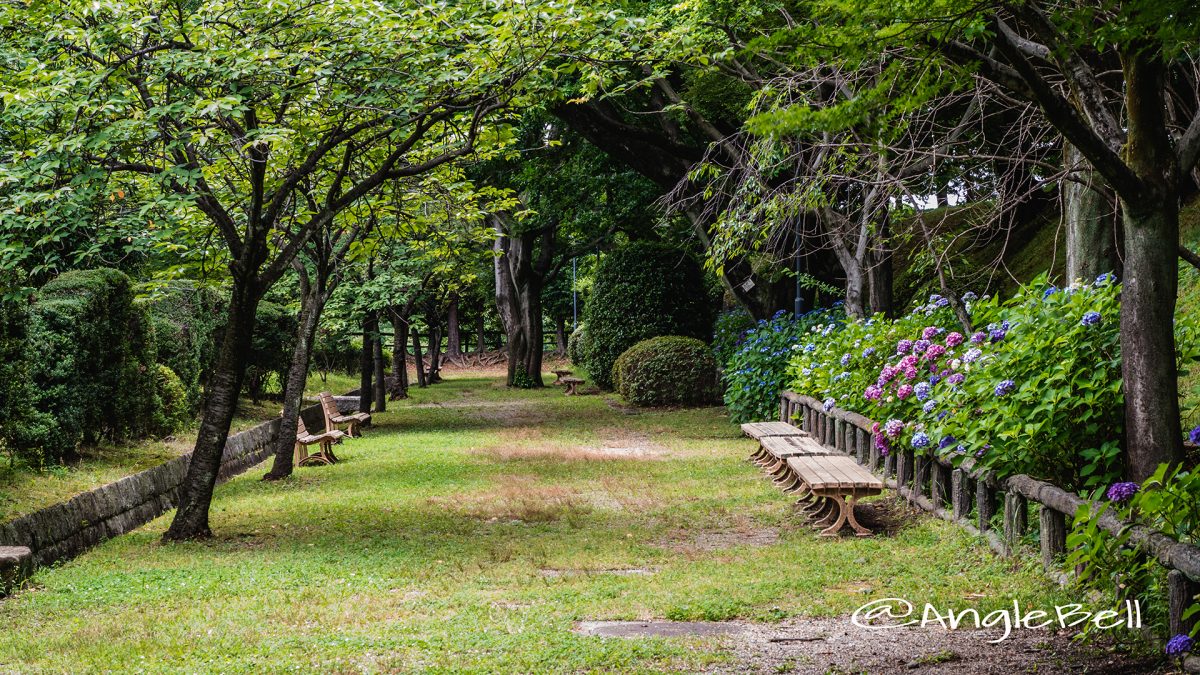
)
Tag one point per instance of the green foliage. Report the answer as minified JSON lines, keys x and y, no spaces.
{"x":174,"y":408}
{"x":1168,"y":501}
{"x":275,"y":328}
{"x":576,"y":344}
{"x":729,"y":330}
{"x":20,"y":422}
{"x":91,"y":359}
{"x":641,"y":291}
{"x":187,"y":319}
{"x":667,"y":370}
{"x":757,"y":370}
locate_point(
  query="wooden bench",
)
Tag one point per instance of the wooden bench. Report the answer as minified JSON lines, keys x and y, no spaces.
{"x":325,"y":440}
{"x":572,"y":383}
{"x":777,"y":450}
{"x":334,"y":417}
{"x":560,"y":374}
{"x":835,"y":482}
{"x":761,"y":430}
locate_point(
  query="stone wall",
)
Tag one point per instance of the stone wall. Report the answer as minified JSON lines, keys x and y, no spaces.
{"x":64,"y":530}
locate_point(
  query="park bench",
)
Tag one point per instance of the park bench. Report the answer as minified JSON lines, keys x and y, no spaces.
{"x":560,"y":374}
{"x":324,"y":439}
{"x":572,"y":383}
{"x":835,"y":482}
{"x":779,"y":449}
{"x":334,"y":417}
{"x":761,"y":430}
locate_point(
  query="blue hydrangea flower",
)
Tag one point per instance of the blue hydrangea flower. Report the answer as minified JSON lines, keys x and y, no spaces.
{"x":1194,"y":436}
{"x":922,"y":390}
{"x":1049,"y":292}
{"x":829,"y":404}
{"x":920,"y":440}
{"x":1090,"y":319}
{"x":969,"y":296}
{"x":946,"y":442}
{"x":942,"y":302}
{"x":1178,"y":645}
{"x":929,"y":405}
{"x":997,"y":335}
{"x":934,"y":379}
{"x":1122,"y":492}
{"x":1107,"y":277}
{"x":868,"y":352}
{"x":810,"y":347}
{"x":1005,"y":387}
{"x":845,"y":360}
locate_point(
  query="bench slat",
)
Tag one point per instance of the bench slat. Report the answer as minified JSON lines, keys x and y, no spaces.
{"x":793,"y":446}
{"x":761,"y":430}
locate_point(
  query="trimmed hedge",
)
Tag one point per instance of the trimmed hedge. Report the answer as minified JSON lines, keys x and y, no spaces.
{"x":91,"y":363}
{"x":187,"y":322}
{"x":576,"y":344}
{"x":20,"y":423}
{"x":643,"y":290}
{"x":667,"y":370}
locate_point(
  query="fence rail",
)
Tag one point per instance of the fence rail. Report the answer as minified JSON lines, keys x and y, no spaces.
{"x":972,"y":498}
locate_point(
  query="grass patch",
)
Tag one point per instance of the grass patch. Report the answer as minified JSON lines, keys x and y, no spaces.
{"x":426,"y":549}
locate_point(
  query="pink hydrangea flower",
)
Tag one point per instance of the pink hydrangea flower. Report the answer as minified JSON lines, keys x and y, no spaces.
{"x":908,"y":362}
{"x":873,"y":393}
{"x":934,"y":351}
{"x":904,"y":391}
{"x":910,"y":373}
{"x":954,"y":339}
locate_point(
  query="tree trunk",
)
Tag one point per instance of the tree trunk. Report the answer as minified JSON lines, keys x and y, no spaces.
{"x":435,"y":353}
{"x":453,"y":334}
{"x":1088,"y":220}
{"x":311,"y":307}
{"x":560,"y":335}
{"x":519,"y":300}
{"x":366,"y":386}
{"x":418,"y":359}
{"x":1152,"y":429}
{"x":879,"y":271}
{"x":380,"y":391}
{"x":480,"y":338}
{"x":399,"y":356}
{"x":220,"y":405}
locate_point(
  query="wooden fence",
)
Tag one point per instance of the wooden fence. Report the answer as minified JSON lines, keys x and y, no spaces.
{"x":973,"y":498}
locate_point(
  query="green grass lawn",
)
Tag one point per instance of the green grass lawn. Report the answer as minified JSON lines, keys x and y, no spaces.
{"x":468,"y":531}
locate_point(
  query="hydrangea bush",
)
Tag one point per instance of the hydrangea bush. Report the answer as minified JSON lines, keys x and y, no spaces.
{"x":757,"y":372}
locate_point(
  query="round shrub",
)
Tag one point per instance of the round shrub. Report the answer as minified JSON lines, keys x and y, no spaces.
{"x":575,"y":344}
{"x":174,"y":408}
{"x":187,"y":319}
{"x":641,"y":291}
{"x":91,"y":360}
{"x":667,"y":370}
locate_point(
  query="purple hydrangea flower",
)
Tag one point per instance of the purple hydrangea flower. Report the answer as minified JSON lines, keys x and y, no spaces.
{"x":893,"y":427}
{"x":931,"y":332}
{"x":955,"y":379}
{"x":920,"y":440}
{"x":1121,"y":492}
{"x":910,"y":373}
{"x":845,"y":360}
{"x":904,"y":346}
{"x":941,"y":302}
{"x":1005,"y":387}
{"x":969,"y":296}
{"x":873,"y":393}
{"x":922,"y":390}
{"x":868,"y":351}
{"x":1194,"y":436}
{"x":909,"y":361}
{"x":829,"y":404}
{"x":1090,"y":319}
{"x":997,"y":335}
{"x":972,"y":355}
{"x":1179,"y":645}
{"x":934,"y":351}
{"x":978,"y":337}
{"x":954,"y":339}
{"x":920,"y":346}
{"x":946,"y":442}
{"x":904,"y":391}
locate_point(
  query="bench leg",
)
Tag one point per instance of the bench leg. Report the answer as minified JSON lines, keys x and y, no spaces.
{"x":327,"y":451}
{"x":814,"y":509}
{"x":859,"y":530}
{"x":792,"y":483}
{"x":298,"y":454}
{"x":757,"y":455}
{"x":832,"y":530}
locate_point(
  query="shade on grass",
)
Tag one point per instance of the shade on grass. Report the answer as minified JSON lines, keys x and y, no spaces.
{"x":469,"y":531}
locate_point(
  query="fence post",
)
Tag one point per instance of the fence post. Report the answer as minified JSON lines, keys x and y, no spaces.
{"x":985,"y":503}
{"x":783,"y":408}
{"x":1181,"y":592}
{"x":889,"y":464}
{"x":939,"y":485}
{"x":960,"y":493}
{"x":1016,"y":517}
{"x":1053,"y":534}
{"x":860,"y":445}
{"x":921,"y":471}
